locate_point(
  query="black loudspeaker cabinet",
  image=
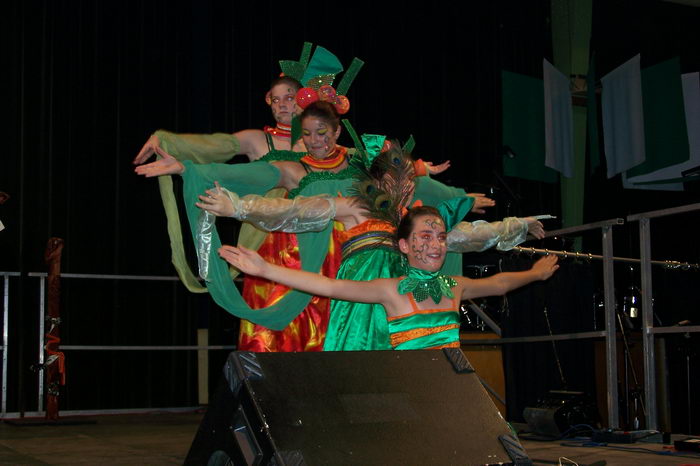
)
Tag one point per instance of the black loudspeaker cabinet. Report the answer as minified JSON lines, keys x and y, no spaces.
{"x":352,"y":408}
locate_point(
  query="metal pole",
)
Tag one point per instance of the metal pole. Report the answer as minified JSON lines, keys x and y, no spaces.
{"x":485,"y":317}
{"x":611,"y":334}
{"x":40,"y":372}
{"x":582,"y":255}
{"x":648,"y":324}
{"x":5,"y":306}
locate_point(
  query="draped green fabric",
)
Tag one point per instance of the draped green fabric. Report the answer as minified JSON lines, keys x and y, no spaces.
{"x":251,"y":178}
{"x":199,"y":148}
{"x":665,"y":131}
{"x":523,"y":128}
{"x":257,"y":178}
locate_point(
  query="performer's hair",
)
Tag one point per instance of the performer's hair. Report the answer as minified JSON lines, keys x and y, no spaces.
{"x":323,"y":111}
{"x":406,"y":225}
{"x":288,"y":80}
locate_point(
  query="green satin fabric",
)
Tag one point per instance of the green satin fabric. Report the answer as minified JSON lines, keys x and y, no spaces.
{"x":257,"y":178}
{"x":373,"y":146}
{"x":360,"y":326}
{"x":249,"y":180}
{"x":414,"y":322}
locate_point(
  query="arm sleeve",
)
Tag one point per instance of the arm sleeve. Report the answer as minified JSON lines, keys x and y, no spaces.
{"x":481,"y":235}
{"x":297,"y":215}
{"x":432,"y":192}
{"x":199,"y":148}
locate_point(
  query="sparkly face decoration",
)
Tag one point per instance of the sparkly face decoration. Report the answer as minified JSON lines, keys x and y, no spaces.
{"x":282,"y":102}
{"x":426,"y":246}
{"x":319,"y":137}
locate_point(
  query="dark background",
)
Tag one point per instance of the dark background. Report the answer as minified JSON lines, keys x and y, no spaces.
{"x":86,"y":83}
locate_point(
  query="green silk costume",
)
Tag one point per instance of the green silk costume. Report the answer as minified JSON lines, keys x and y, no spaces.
{"x":197,"y":152}
{"x":425,"y":329}
{"x":257,"y":178}
{"x":368,"y":254}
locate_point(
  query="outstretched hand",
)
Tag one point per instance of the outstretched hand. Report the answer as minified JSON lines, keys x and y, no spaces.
{"x":546,"y":266}
{"x":147,"y":150}
{"x":481,"y":202}
{"x":216,"y":202}
{"x":245,"y":260}
{"x":168,"y":165}
{"x":534,"y":227}
{"x":436,"y":169}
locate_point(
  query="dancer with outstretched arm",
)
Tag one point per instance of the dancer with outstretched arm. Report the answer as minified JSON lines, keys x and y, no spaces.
{"x":415,"y":322}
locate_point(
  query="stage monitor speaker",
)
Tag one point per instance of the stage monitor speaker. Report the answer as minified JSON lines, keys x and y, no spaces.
{"x":558,"y":411}
{"x":352,"y":408}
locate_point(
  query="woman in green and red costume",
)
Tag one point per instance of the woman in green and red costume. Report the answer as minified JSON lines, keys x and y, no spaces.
{"x":286,"y":170}
{"x":384,"y":181}
{"x":413,"y":320}
{"x":322,"y":170}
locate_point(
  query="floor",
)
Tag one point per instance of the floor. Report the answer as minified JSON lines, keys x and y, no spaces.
{"x":164,"y":439}
{"x":617,"y":455}
{"x":143,"y":439}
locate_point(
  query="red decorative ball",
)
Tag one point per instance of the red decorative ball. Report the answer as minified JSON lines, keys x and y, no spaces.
{"x":327,"y":93}
{"x":306,"y":96}
{"x":343,"y":105}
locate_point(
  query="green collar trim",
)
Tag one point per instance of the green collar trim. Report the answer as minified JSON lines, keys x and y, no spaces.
{"x":425,"y":284}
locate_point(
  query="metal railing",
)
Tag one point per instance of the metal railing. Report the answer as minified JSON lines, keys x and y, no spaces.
{"x":609,"y":333}
{"x":5,"y":334}
{"x":42,"y":314}
{"x":648,"y":329}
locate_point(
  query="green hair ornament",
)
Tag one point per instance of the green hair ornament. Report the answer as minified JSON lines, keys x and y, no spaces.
{"x":368,"y":146}
{"x":322,"y":69}
{"x":410,"y":145}
{"x":296,"y":69}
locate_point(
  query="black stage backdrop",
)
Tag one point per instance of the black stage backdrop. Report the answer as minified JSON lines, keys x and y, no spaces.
{"x":86,"y":83}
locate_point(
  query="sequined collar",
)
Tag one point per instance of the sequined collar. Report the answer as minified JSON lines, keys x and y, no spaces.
{"x":425,"y":284}
{"x":334,"y":159}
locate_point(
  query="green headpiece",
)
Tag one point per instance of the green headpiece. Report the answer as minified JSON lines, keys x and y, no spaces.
{"x":315,"y":71}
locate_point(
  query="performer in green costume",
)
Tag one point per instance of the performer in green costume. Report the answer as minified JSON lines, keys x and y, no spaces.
{"x":414,"y":322}
{"x":368,"y":250}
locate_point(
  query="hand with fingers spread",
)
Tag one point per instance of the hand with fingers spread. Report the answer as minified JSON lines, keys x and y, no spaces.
{"x":481,"y":202}
{"x":245,"y":260}
{"x":436,"y":169}
{"x":168,"y":165}
{"x":216,"y":202}
{"x":534,"y":227}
